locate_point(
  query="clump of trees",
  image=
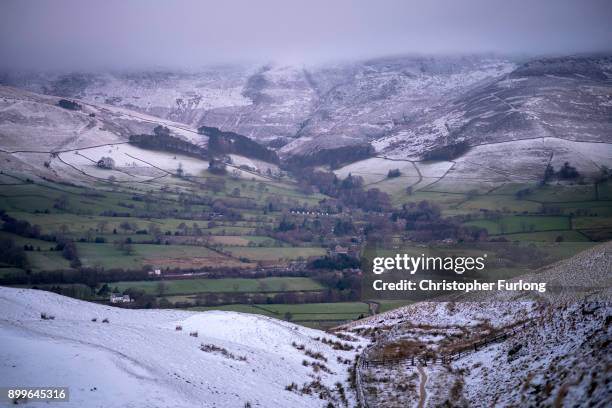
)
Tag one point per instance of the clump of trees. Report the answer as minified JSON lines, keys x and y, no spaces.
{"x":161,"y":139}
{"x":447,"y":152}
{"x":336,"y":263}
{"x":334,"y":157}
{"x":220,"y":142}
{"x":343,"y":227}
{"x":394,"y":173}
{"x":349,"y":191}
{"x":12,"y":254}
{"x":106,"y":163}
{"x":566,"y":172}
{"x":216,"y":166}
{"x":70,"y":105}
{"x":423,"y":223}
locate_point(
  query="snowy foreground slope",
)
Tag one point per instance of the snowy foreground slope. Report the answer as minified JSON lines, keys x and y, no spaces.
{"x":139,"y":359}
{"x":550,"y":350}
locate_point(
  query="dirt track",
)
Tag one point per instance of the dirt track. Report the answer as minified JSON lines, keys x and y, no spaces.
{"x":422,"y":391}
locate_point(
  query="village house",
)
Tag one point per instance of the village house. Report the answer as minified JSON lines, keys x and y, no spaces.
{"x":117,"y":298}
{"x":340,"y":250}
{"x":155,"y":272}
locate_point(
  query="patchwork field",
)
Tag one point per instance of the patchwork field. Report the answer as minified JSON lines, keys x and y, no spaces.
{"x":194,"y":286}
{"x":142,"y":215}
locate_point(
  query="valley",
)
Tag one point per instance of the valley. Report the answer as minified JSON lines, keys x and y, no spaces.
{"x":238,"y":203}
{"x":158,"y":209}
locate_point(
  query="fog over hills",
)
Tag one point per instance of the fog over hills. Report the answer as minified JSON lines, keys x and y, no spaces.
{"x":464,"y":110}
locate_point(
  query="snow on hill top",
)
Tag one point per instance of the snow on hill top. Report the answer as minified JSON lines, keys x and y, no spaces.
{"x":139,"y":358}
{"x":50,"y":126}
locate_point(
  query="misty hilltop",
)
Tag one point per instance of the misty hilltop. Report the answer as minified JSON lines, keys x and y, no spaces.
{"x":397,"y":107}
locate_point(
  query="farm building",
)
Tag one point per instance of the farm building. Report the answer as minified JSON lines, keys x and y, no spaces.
{"x":116,"y":298}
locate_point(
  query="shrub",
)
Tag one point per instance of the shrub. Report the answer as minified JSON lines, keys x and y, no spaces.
{"x":316,"y":367}
{"x":337,"y":345}
{"x":291,"y":387}
{"x":513,"y":351}
{"x":211,"y":348}
{"x":567,"y":172}
{"x":316,"y":355}
{"x":394,"y":173}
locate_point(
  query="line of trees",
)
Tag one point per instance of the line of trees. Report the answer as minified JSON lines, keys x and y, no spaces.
{"x":334,"y":157}
{"x":220,"y":143}
{"x":162,"y":140}
{"x":423,"y":223}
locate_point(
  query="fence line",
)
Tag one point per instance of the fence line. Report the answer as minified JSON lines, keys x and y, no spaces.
{"x":415,"y":360}
{"x":361,"y":399}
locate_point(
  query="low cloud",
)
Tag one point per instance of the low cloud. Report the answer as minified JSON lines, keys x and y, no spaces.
{"x":69,"y":34}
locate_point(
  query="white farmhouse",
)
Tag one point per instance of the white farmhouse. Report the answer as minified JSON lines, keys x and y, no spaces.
{"x":116,"y":298}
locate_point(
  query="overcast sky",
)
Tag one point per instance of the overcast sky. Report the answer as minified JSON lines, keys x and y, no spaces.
{"x":79,"y":34}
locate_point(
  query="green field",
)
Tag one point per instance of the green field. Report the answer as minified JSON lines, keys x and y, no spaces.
{"x":386,"y":305}
{"x":273,"y":254}
{"x":109,"y":256}
{"x":564,"y":193}
{"x":504,"y":204}
{"x":550,"y":236}
{"x":301,"y":312}
{"x":522,"y":224}
{"x":226,"y":285}
{"x":11,"y":271}
{"x":249,"y":237}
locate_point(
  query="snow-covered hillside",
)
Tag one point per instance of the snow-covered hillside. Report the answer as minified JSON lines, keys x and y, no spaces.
{"x":550,"y":349}
{"x":140,"y":359}
{"x":320,"y":104}
{"x":40,"y":138}
{"x":565,"y":98}
{"x":563,"y":360}
{"x":404,"y":107}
